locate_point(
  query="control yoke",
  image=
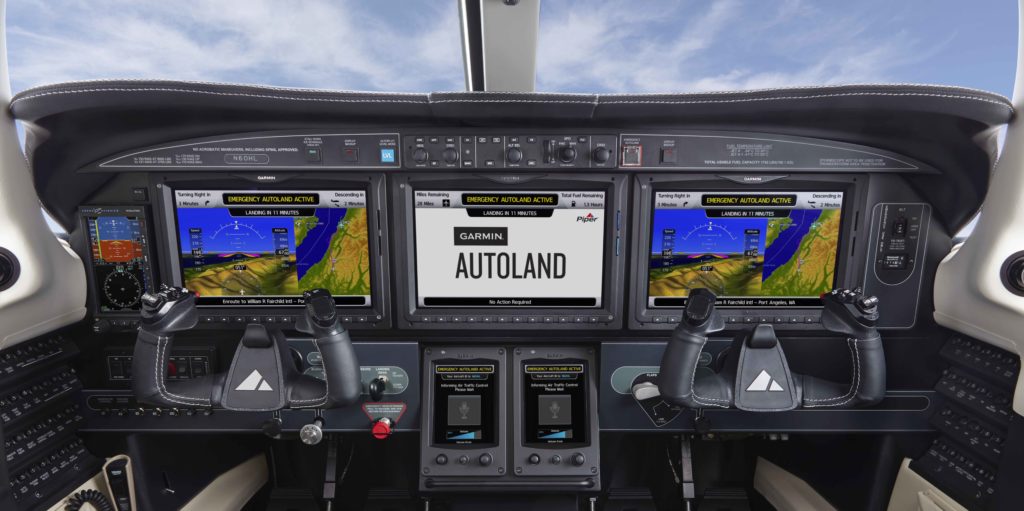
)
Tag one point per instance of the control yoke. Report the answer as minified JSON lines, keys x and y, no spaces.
{"x":756,"y":377}
{"x":261,"y":377}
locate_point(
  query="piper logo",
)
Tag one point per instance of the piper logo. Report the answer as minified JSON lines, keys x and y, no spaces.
{"x":254,"y":381}
{"x":764,"y":383}
{"x":587,"y":219}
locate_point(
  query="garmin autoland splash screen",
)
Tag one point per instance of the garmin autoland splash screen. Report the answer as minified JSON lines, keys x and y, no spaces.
{"x":509,"y":249}
{"x":258,"y":248}
{"x":760,"y":249}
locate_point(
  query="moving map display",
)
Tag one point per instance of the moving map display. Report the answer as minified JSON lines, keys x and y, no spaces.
{"x":265,"y":248}
{"x":752,"y":249}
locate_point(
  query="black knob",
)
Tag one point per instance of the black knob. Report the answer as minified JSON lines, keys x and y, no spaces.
{"x":272,"y":428}
{"x":601,"y":155}
{"x":101,"y":326}
{"x":463,"y":459}
{"x":450,"y":155}
{"x":534,"y":459}
{"x":578,"y":459}
{"x":514,"y":155}
{"x":420,"y":155}
{"x":567,"y":154}
{"x":485,"y":459}
{"x":441,"y":459}
{"x":377,"y":386}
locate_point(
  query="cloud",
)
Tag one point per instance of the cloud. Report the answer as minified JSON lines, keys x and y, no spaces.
{"x":584,"y":46}
{"x":659,"y":46}
{"x":405,"y":46}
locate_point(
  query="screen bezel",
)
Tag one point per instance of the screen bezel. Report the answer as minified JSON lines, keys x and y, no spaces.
{"x":86,"y":253}
{"x":613,"y":263}
{"x":649,"y":184}
{"x":371,"y":184}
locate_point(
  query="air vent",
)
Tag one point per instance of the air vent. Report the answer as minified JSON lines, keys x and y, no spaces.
{"x":9,"y":269}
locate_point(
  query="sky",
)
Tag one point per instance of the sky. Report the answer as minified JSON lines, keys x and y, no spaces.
{"x":603,"y":46}
{"x":585,"y":45}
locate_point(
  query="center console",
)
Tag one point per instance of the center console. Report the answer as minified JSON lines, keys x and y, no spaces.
{"x":490,"y":420}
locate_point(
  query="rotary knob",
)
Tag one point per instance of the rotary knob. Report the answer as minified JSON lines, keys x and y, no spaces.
{"x":450,"y":155}
{"x":514,"y":155}
{"x":601,"y":155}
{"x":567,"y":154}
{"x":578,"y":459}
{"x":312,"y":434}
{"x":420,"y":155}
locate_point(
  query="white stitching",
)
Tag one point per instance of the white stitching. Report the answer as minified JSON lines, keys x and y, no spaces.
{"x":854,"y":386}
{"x":707,"y":401}
{"x":216,"y":93}
{"x":809,"y":87}
{"x":112,"y":81}
{"x":327,"y":389}
{"x":812,"y":96}
{"x":467,"y":100}
{"x":598,"y":101}
{"x":161,"y":343}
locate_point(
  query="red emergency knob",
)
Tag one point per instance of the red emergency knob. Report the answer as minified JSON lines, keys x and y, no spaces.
{"x":381,"y":428}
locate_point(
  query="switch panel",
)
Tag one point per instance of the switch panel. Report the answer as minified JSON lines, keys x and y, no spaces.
{"x":510,"y":151}
{"x":895,"y":260}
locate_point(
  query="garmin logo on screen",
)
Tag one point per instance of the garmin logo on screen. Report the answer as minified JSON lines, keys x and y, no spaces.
{"x":493,"y":236}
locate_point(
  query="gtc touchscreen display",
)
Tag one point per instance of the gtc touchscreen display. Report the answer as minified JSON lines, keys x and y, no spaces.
{"x":266,"y":248}
{"x":507,"y":250}
{"x":753,"y":249}
{"x":465,"y":402}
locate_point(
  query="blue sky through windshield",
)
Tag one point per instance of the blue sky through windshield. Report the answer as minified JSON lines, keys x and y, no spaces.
{"x":585,"y":46}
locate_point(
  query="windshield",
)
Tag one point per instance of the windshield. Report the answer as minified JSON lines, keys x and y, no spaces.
{"x":584,"y":46}
{"x":659,"y":46}
{"x":360,"y":45}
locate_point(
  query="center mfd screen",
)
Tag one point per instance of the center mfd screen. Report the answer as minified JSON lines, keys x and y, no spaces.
{"x":752,"y":249}
{"x":245,"y":248}
{"x":521,"y":249}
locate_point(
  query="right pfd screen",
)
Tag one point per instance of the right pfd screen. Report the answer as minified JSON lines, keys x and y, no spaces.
{"x":752,"y":249}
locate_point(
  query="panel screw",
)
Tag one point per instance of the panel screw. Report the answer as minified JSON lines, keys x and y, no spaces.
{"x":519,"y":470}
{"x":426,"y":470}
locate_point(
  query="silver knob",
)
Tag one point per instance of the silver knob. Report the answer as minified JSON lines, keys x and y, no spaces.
{"x":644,"y":391}
{"x":312,"y":434}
